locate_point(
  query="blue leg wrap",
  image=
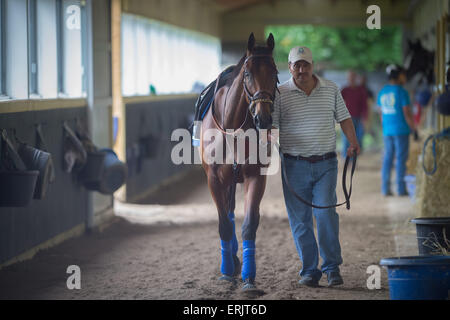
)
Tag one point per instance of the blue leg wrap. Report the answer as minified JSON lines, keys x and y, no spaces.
{"x":248,"y":260}
{"x":234,"y":242}
{"x":227,"y":266}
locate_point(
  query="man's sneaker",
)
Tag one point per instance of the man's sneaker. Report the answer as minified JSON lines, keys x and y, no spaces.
{"x":334,"y":279}
{"x":309,"y":281}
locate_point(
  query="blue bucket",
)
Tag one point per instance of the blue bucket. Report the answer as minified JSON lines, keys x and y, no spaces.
{"x":418,"y":277}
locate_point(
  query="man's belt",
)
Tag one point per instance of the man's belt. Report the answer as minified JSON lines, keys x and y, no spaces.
{"x":313,"y":159}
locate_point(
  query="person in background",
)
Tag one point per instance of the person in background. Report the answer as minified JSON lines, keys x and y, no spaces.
{"x":397,"y":122}
{"x":355,"y":97}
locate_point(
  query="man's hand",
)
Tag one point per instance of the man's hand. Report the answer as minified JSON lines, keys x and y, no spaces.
{"x":354,"y":148}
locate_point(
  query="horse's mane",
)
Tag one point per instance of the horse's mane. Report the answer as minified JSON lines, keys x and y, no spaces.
{"x":259,"y":50}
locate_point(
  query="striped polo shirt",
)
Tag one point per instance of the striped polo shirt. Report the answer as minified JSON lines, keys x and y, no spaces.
{"x":307,"y":123}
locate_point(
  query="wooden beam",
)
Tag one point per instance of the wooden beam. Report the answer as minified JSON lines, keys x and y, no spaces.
{"x":441,"y":27}
{"x":118,"y":109}
{"x":236,"y":5}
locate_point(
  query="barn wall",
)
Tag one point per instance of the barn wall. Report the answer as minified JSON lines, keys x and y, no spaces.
{"x":424,"y":20}
{"x":64,"y":206}
{"x":68,"y":207}
{"x":158,"y":118}
{"x":425,"y":26}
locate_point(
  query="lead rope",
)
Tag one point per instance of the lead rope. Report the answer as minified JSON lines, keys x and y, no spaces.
{"x":347,"y":194}
{"x":233,"y":184}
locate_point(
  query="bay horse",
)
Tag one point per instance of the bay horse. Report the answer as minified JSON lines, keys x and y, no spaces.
{"x":249,"y":93}
{"x":419,"y":61}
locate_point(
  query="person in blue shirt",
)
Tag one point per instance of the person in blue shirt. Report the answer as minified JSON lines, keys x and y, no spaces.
{"x":397,"y":123}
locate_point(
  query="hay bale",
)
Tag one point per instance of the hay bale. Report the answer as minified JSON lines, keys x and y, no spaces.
{"x":415,"y":150}
{"x":432,"y":192}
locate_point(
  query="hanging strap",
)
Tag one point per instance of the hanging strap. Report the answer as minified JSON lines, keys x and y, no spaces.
{"x":42,"y":145}
{"x":443,"y":134}
{"x":12,"y":153}
{"x":40,"y":141}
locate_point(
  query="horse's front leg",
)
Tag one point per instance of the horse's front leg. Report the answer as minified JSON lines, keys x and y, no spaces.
{"x":254,"y":191}
{"x":228,"y":241}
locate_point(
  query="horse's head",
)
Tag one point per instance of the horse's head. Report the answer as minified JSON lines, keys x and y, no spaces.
{"x":260,"y":77}
{"x":419,"y":61}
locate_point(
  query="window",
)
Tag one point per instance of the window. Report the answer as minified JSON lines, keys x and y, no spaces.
{"x":44,"y":57}
{"x":42,"y":46}
{"x":170,"y":59}
{"x":71,"y":38}
{"x":32,"y":47}
{"x":15,"y":49}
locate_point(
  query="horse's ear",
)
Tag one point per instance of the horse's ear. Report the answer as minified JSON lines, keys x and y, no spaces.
{"x":270,"y":41}
{"x":251,"y":42}
{"x":410,"y":44}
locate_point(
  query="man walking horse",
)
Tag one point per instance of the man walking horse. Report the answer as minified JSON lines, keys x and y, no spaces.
{"x":304,"y":111}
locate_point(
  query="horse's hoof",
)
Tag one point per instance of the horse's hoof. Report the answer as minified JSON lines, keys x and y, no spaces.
{"x":224,"y":277}
{"x":237,"y":266}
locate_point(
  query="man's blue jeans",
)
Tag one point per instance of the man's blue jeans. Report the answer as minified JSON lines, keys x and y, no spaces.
{"x":316,"y":183}
{"x":359,"y":129}
{"x":398,"y":147}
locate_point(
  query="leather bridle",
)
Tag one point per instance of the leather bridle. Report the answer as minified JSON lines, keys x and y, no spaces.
{"x":252,"y":99}
{"x":258,"y":96}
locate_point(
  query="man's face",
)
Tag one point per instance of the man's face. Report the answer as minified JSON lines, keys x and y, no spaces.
{"x":302,"y":71}
{"x":351,"y":78}
{"x":402,"y":78}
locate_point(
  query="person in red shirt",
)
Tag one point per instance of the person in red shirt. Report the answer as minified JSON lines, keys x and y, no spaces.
{"x":355,"y":97}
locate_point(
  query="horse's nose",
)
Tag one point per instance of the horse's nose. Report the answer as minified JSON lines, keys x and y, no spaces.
{"x":257,"y":121}
{"x":262,"y":122}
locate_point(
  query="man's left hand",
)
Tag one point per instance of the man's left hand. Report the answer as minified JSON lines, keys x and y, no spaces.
{"x":354,"y":148}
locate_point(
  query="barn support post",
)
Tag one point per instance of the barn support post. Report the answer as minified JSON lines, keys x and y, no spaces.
{"x":441,"y":34}
{"x":88,"y":48}
{"x":118,"y":107}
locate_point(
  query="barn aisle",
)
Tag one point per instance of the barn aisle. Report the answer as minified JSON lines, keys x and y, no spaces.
{"x":171,"y":251}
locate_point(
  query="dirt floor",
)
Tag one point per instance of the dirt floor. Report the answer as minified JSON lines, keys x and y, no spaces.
{"x":171,"y":250}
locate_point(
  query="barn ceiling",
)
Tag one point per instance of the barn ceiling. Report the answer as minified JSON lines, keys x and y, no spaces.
{"x":241,"y":17}
{"x":226,"y":6}
{"x":231,"y":5}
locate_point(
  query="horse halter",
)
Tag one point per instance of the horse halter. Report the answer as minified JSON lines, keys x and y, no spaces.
{"x":252,"y":99}
{"x":258,"y":96}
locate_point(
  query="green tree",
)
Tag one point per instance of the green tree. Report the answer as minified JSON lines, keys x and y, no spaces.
{"x":342,"y":48}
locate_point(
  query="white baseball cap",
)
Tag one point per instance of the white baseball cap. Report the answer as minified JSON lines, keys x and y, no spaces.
{"x":300,"y":53}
